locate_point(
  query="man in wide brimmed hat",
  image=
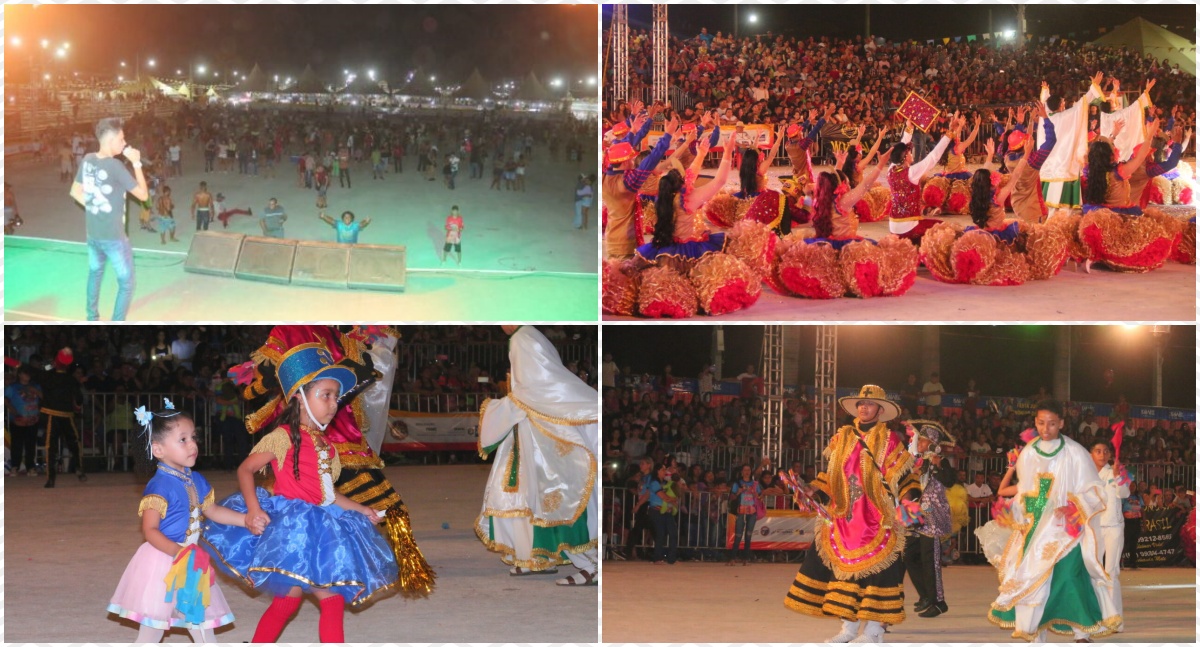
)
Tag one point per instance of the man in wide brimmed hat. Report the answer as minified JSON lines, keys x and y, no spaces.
{"x":853,"y":572}
{"x":623,"y":178}
{"x":923,"y":554}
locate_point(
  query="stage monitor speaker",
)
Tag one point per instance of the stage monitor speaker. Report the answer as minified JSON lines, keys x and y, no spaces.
{"x":323,"y":265}
{"x":266,"y":259}
{"x":377,"y":267}
{"x":214,"y":252}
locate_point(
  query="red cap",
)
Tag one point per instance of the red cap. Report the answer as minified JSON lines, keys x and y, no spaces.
{"x":64,"y":358}
{"x":620,"y":152}
{"x":687,"y":128}
{"x":1016,"y":139}
{"x":1091,"y":137}
{"x":793,"y":130}
{"x":620,"y":130}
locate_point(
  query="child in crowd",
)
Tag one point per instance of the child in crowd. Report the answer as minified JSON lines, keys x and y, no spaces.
{"x":169,"y":582}
{"x":318,"y":541}
{"x":454,"y":229}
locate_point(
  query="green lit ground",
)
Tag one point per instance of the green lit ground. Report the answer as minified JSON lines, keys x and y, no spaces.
{"x":522,"y":259}
{"x":45,"y":280}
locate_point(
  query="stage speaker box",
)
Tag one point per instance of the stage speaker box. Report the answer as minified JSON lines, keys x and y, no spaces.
{"x":377,"y":267}
{"x":323,"y":265}
{"x":266,"y":259}
{"x":214,"y":252}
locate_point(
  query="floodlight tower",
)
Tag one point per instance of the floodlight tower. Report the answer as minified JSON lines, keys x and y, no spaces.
{"x":659,"y":41}
{"x":619,"y":50}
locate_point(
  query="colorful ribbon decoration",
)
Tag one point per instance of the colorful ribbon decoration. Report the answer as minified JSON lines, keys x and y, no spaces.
{"x":190,"y":582}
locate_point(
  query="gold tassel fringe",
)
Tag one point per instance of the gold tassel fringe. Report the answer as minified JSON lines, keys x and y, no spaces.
{"x":717,"y":271}
{"x":753,"y":243}
{"x":935,"y":250}
{"x":620,"y":288}
{"x":665,"y":285}
{"x":416,"y":576}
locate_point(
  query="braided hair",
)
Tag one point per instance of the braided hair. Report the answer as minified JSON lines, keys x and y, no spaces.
{"x":291,"y":418}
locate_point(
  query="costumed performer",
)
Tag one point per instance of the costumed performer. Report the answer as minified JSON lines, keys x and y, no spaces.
{"x":1114,"y":229}
{"x":799,"y":140}
{"x":1115,"y":480}
{"x":689,"y":269}
{"x":837,"y":260}
{"x":170,"y":582}
{"x":622,"y":181}
{"x":316,"y":540}
{"x":923,"y":554}
{"x":853,"y":570}
{"x":904,"y":180}
{"x":1026,"y":193}
{"x":1050,"y":573}
{"x":357,"y":430}
{"x":541,"y":504}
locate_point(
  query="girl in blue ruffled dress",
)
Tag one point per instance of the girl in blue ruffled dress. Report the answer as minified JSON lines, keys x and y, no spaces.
{"x":318,"y":541}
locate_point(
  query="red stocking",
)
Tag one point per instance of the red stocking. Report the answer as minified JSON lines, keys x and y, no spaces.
{"x":275,"y":619}
{"x":330,"y":629}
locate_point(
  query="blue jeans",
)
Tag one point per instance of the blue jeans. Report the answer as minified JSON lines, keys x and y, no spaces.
{"x":579,"y":206}
{"x":203,"y":217}
{"x":666,"y":536}
{"x":120,"y":254}
{"x":744,"y":528}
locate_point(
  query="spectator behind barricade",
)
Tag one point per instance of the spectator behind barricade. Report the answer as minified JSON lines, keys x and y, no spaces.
{"x":979,"y":493}
{"x":932,"y":391}
{"x":909,"y":395}
{"x":750,"y":383}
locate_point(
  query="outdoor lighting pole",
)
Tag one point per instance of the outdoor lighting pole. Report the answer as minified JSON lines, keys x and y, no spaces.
{"x":1160,"y":333}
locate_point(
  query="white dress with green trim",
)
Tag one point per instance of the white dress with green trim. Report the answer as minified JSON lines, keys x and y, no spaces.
{"x":1051,"y":578}
{"x":541,"y":503}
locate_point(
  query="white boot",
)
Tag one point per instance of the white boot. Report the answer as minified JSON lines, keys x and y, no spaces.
{"x":849,"y":632}
{"x":872,"y":633}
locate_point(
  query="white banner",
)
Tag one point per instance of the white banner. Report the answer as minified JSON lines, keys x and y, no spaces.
{"x":779,"y":530}
{"x":433,"y":431}
{"x":753,"y":135}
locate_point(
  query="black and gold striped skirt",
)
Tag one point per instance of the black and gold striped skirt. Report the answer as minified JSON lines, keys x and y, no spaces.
{"x":878,"y":597}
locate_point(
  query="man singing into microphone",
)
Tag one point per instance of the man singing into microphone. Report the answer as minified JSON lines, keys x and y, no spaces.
{"x":100,"y":186}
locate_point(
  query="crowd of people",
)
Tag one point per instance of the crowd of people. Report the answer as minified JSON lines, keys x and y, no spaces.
{"x":770,"y":79}
{"x":439,"y":368}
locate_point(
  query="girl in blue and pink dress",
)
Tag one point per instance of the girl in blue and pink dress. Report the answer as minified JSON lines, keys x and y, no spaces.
{"x":169,"y":582}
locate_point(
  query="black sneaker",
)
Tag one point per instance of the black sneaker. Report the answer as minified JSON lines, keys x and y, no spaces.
{"x":936,"y":609}
{"x":921,"y":605}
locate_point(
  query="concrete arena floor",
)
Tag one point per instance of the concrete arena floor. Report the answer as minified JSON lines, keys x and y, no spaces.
{"x":1166,"y":294}
{"x":520,"y":250}
{"x":65,"y":550}
{"x":745,"y":604}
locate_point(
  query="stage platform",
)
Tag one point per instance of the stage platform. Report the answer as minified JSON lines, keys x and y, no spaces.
{"x":744,"y":604}
{"x":46,"y":280}
{"x":65,"y":550}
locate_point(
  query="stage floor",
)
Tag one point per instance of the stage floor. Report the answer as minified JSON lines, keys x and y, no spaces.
{"x":522,"y":258}
{"x":46,"y":280}
{"x":1166,"y":294}
{"x":65,"y":550}
{"x":744,"y":604}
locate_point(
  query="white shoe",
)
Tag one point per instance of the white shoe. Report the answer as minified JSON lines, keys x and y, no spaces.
{"x":848,"y":633}
{"x":872,"y":633}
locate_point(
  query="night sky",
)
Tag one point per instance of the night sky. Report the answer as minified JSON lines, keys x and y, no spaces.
{"x":502,"y":41}
{"x":920,"y":22}
{"x":1004,"y":360}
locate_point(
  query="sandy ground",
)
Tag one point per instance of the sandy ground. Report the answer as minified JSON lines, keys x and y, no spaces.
{"x":745,"y":604}
{"x":65,"y":550}
{"x":520,"y":250}
{"x":1166,"y":294}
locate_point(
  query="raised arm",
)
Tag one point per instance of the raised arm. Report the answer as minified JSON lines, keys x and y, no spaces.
{"x":862,"y":163}
{"x":700,"y":195}
{"x":970,"y":139}
{"x":918,"y":170}
{"x":1126,"y":170}
{"x":766,"y":162}
{"x":851,"y":198}
{"x":329,"y":221}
